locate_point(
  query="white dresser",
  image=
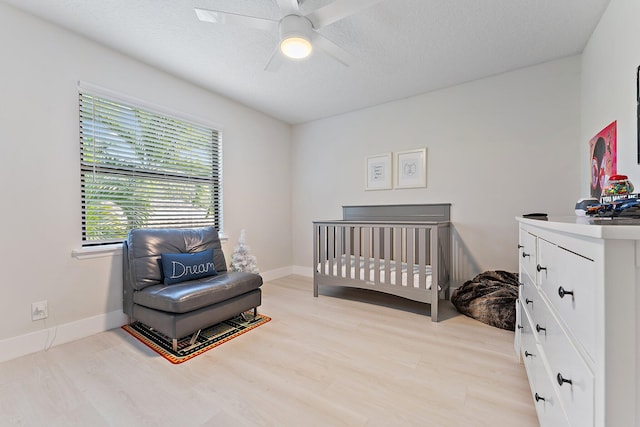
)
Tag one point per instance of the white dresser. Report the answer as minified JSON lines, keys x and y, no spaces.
{"x":577,"y":327}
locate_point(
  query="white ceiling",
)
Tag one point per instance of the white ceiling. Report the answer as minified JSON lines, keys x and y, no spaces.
{"x":403,"y":47}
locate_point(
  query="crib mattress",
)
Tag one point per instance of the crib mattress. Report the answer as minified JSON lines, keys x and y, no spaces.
{"x":368,"y":267}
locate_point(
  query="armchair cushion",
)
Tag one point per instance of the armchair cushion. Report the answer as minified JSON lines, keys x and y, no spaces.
{"x":185,"y":266}
{"x":194,"y":294}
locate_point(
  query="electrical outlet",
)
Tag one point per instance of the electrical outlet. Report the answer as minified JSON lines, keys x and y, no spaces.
{"x":39,"y":310}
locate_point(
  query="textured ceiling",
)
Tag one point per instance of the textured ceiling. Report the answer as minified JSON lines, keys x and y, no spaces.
{"x":401,"y":47}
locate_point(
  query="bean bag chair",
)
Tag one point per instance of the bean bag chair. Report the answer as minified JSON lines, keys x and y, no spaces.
{"x":490,"y":298}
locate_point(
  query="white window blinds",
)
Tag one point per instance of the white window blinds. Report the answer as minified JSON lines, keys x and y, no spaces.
{"x":141,"y":169}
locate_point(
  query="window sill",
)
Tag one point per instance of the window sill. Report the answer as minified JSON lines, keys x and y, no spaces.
{"x":97,"y":251}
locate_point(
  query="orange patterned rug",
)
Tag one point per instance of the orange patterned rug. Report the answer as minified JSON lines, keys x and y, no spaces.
{"x":209,"y":338}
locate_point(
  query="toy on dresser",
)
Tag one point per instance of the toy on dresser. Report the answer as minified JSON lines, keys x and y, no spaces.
{"x":618,"y":200}
{"x":617,"y":185}
{"x":617,"y":208}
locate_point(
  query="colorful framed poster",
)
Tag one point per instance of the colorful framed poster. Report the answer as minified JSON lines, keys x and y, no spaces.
{"x":604,"y":158}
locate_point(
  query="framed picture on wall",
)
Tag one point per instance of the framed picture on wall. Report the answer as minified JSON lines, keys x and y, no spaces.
{"x":604,"y":158}
{"x":411,"y":169}
{"x":378,"y":172}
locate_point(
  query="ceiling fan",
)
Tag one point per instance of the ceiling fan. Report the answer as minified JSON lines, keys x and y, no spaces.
{"x":298,"y":32}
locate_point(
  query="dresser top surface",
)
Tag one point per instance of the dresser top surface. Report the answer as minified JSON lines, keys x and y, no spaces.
{"x":602,"y":228}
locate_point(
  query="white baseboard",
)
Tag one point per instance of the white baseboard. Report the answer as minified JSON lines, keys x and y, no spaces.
{"x":303,"y":271}
{"x":60,"y":334}
{"x":276,"y":274}
{"x":287,"y":271}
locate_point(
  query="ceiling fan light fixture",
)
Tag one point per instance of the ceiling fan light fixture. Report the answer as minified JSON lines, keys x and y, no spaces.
{"x":295,"y":36}
{"x":296,"y":47}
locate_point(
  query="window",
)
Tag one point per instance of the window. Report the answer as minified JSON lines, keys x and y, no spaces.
{"x":142,"y":169}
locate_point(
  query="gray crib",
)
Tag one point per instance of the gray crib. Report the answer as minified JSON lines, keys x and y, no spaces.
{"x":403,"y":250}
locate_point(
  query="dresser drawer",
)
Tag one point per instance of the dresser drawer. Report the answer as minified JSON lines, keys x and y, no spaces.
{"x":528,"y":252}
{"x":546,"y":400}
{"x":547,"y":268}
{"x":568,"y":371}
{"x":528,"y":348}
{"x":573,"y":297}
{"x":548,"y":404}
{"x":529,"y":296}
{"x":568,"y":282}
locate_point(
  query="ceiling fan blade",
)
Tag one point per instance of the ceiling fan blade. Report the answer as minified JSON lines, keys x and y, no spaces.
{"x":332,"y":49}
{"x":218,"y":17}
{"x":288,"y":6}
{"x":337,"y":10}
{"x":275,"y":61}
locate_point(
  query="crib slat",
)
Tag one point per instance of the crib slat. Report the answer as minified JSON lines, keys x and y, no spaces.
{"x":331,"y":247}
{"x":397,"y":256}
{"x":356,"y":250}
{"x":338,"y":250}
{"x":316,"y":255}
{"x":366,"y":253}
{"x":422,"y":257}
{"x":376,"y":255}
{"x":410,"y":255}
{"x":387,"y":255}
{"x":322,"y":247}
{"x":347,"y":250}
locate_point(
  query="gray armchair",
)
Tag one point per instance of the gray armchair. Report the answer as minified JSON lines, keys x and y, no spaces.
{"x":183,"y":308}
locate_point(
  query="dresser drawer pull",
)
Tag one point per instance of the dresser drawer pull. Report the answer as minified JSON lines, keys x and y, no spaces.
{"x":540,"y":328}
{"x":539,"y":398}
{"x":562,"y":292}
{"x":520,"y":246}
{"x":524,"y":254}
{"x":528,"y":301}
{"x":520,"y":327}
{"x":540,"y":268}
{"x":562,"y":380}
{"x":527,"y":354}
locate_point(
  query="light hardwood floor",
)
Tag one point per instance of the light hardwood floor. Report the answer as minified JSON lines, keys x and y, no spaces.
{"x":347,"y":358}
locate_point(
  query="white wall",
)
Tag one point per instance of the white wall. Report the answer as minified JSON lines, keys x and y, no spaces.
{"x":496,"y":148}
{"x":609,"y":64}
{"x":39,"y":174}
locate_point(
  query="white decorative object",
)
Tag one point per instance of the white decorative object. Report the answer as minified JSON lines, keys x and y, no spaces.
{"x":242,"y":260}
{"x":576,"y":326}
{"x":378,"y":172}
{"x":411,"y":169}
